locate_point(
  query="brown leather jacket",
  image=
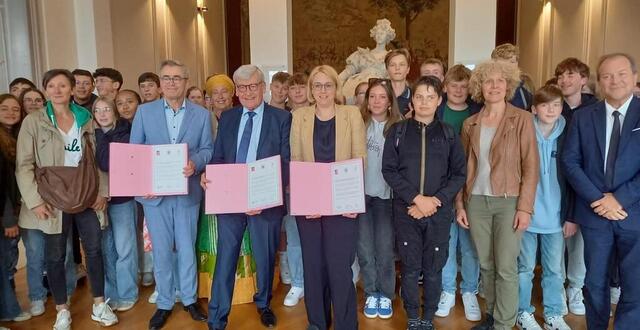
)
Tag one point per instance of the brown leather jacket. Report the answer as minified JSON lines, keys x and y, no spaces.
{"x":513,"y":156}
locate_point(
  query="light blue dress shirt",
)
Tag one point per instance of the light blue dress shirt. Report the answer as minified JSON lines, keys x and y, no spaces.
{"x":255,"y":132}
{"x":174,"y":120}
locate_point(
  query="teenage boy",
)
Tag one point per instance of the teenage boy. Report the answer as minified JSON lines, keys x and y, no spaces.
{"x":550,"y":212}
{"x":433,"y":67}
{"x":149,"y":86}
{"x":397,"y":64}
{"x":454,"y":110}
{"x":572,"y":75}
{"x":83,"y":93}
{"x":108,"y":82}
{"x":424,"y":164}
{"x":279,"y":89}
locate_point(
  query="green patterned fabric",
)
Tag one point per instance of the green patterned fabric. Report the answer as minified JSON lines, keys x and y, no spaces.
{"x":206,"y":245}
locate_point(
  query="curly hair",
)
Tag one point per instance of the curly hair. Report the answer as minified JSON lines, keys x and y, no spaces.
{"x":510,"y":72}
{"x":384,"y":25}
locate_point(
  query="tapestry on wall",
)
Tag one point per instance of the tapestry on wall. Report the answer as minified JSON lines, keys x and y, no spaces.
{"x":327,"y":32}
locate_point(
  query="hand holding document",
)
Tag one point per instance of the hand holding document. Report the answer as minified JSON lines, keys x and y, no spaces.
{"x":243,"y":188}
{"x":327,"y":188}
{"x":143,"y":170}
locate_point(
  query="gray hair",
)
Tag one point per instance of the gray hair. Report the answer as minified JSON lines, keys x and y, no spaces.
{"x":245,"y":72}
{"x":174,"y":63}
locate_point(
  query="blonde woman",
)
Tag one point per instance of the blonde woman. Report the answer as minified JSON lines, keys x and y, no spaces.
{"x":328,"y":131}
{"x":502,"y":176}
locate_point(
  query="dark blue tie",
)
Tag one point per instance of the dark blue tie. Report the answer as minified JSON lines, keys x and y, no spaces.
{"x":241,"y":156}
{"x":612,"y":154}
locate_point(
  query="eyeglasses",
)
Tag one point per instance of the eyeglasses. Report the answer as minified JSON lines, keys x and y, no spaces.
{"x":103,"y":110}
{"x":36,"y":100}
{"x":251,"y":87}
{"x":170,"y":79}
{"x":326,"y":87}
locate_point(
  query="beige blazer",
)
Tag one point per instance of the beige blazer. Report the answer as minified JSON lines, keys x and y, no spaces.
{"x":350,"y":134}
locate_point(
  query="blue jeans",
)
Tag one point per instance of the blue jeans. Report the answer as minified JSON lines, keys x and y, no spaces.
{"x":9,"y":307}
{"x":33,"y":240}
{"x":294,"y":251}
{"x":470,"y":269}
{"x":551,"y":248}
{"x":575,"y":270}
{"x":121,"y":254}
{"x":376,"y":255}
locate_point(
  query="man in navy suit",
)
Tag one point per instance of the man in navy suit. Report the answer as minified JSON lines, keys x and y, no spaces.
{"x":602,"y":163}
{"x":247,"y":133}
{"x":173,"y":220}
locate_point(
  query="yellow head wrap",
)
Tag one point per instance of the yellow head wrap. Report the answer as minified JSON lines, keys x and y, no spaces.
{"x":219,"y":80}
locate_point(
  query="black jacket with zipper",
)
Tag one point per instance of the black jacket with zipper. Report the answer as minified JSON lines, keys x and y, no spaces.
{"x":444,"y":169}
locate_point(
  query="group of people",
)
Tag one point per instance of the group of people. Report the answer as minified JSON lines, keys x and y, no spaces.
{"x":463,"y":169}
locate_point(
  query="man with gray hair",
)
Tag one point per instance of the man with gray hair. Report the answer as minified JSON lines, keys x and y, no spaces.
{"x":252,"y":131}
{"x":173,"y":220}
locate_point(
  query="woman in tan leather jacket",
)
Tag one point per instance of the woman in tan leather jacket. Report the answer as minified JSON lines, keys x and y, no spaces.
{"x":502,"y":174}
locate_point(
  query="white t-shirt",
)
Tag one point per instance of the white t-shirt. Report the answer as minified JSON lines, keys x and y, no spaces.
{"x":72,"y":145}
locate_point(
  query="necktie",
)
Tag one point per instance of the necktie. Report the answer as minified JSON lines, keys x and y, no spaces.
{"x":241,"y":155}
{"x":612,"y":154}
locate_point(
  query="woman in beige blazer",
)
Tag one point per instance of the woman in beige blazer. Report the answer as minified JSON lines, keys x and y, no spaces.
{"x":56,"y":136}
{"x":328,"y":131}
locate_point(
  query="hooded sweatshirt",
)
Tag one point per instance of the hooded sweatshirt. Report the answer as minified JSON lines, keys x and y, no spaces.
{"x":547,"y":217}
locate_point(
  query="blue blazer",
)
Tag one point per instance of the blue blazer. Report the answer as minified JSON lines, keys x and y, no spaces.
{"x":274,"y":140}
{"x":150,"y":127}
{"x":583,"y":161}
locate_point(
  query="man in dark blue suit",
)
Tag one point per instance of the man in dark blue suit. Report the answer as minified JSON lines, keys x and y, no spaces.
{"x":247,"y":133}
{"x":602,"y":163}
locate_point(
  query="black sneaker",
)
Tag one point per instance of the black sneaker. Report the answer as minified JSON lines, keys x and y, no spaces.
{"x":427,"y":325}
{"x":414,"y":324}
{"x":487,"y":323}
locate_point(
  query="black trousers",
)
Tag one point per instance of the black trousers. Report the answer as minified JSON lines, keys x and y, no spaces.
{"x":423,"y":247}
{"x":328,"y":251}
{"x":56,"y":248}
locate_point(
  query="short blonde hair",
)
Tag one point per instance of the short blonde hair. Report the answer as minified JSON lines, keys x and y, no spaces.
{"x":510,"y":72}
{"x":505,"y":52}
{"x":333,"y":75}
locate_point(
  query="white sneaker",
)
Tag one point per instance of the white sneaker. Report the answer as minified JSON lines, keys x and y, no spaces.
{"x":615,"y":295}
{"x":63,"y":320}
{"x":125,"y":306}
{"x":576,"y":301}
{"x":37,"y":307}
{"x":447,"y":301}
{"x":103,"y":314}
{"x":526,"y":321}
{"x":153,"y":297}
{"x":23,"y":316}
{"x":371,"y":307}
{"x":285,"y":274}
{"x":471,"y":308}
{"x":293,"y":297}
{"x":555,"y":323}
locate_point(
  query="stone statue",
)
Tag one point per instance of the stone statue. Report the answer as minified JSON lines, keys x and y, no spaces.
{"x":364,"y":63}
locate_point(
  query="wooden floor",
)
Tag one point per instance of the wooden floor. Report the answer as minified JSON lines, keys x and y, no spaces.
{"x":242,"y":316}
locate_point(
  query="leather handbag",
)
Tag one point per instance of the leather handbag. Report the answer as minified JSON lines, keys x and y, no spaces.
{"x":70,"y":189}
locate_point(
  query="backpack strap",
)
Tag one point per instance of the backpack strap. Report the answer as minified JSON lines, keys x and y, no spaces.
{"x":402,"y":128}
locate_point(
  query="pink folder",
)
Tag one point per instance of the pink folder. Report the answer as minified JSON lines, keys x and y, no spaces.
{"x":311,"y":188}
{"x":228,"y":188}
{"x":131,"y":170}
